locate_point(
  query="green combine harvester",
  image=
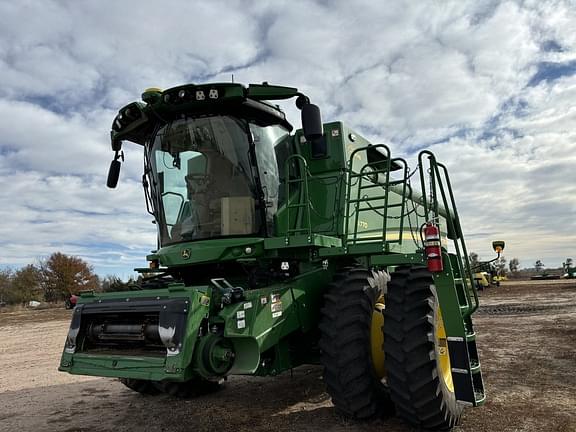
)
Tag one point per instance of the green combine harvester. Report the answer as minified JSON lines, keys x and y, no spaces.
{"x":279,"y":248}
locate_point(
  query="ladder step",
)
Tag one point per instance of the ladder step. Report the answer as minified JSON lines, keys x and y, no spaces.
{"x":363,"y":209}
{"x":382,"y":240}
{"x":380,"y":207}
{"x":373,"y":208}
{"x":466,"y":372}
{"x":478,"y":384}
{"x":474,"y":367}
{"x":370,"y":186}
{"x":479,"y":397}
{"x":395,"y":182}
{"x":382,"y":185}
{"x":379,"y":197}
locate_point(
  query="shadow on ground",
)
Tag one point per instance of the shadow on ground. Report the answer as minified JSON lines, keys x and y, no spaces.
{"x":284,"y":403}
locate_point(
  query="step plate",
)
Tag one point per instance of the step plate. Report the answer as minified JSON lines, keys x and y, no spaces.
{"x":461,"y":375}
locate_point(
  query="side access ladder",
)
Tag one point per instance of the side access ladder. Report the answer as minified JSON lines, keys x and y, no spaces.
{"x":458,"y":278}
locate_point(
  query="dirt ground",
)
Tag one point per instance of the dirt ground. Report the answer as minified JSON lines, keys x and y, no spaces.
{"x":527,"y":338}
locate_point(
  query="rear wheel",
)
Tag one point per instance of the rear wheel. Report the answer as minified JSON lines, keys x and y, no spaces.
{"x":417,"y":358}
{"x":194,"y":387}
{"x":140,"y":386}
{"x":351,"y":343}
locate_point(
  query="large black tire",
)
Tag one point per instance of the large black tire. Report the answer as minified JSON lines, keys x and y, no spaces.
{"x":188,"y":389}
{"x":194,"y":387}
{"x":345,"y":342}
{"x":414,"y":375}
{"x":141,"y":386}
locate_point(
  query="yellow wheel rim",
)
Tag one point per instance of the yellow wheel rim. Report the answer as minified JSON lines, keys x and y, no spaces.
{"x":442,"y":354}
{"x":377,"y":338}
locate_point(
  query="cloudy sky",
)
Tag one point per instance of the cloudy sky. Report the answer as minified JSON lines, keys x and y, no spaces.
{"x":490,"y":86}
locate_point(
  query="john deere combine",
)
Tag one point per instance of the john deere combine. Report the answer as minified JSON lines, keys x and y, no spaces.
{"x":279,"y":248}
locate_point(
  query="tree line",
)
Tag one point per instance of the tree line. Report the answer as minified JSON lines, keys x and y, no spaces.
{"x":54,"y":279}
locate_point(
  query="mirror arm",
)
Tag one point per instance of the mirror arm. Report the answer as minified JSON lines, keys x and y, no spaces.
{"x":301,"y":100}
{"x":119,"y":154}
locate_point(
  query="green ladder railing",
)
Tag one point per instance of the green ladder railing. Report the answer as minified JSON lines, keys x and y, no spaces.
{"x":373,"y":175}
{"x":440,"y":187}
{"x":303,"y":220}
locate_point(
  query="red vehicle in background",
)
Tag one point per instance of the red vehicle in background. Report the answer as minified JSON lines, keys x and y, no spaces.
{"x":71,"y":302}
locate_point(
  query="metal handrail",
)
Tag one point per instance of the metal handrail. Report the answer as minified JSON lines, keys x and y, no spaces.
{"x":437,"y":173}
{"x":304,"y":198}
{"x":378,"y":174}
{"x":362,"y":176}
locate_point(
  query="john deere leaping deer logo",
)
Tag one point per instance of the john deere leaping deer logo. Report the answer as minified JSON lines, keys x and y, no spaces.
{"x":185,"y":253}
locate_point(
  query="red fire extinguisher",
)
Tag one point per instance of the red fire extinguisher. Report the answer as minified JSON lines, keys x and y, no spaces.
{"x":433,"y":249}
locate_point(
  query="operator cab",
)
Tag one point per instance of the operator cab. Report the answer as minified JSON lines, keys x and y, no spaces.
{"x":211,"y":166}
{"x":205,"y":182}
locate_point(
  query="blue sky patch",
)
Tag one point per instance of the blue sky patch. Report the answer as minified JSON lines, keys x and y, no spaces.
{"x":548,"y":71}
{"x":551,"y":46}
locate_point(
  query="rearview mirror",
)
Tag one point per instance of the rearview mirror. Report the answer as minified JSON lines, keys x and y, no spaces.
{"x":311,"y":122}
{"x":113,"y":174}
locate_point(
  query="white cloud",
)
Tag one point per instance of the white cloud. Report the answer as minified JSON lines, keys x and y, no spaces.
{"x":72,"y":214}
{"x":452,"y":75}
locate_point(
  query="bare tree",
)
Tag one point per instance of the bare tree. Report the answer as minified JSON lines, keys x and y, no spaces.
{"x":500,"y":266}
{"x":473,"y":257}
{"x":513,"y":265}
{"x":538,"y":265}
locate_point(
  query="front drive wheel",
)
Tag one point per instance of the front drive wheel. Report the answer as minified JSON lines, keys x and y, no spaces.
{"x":351,"y":343}
{"x":417,"y":359}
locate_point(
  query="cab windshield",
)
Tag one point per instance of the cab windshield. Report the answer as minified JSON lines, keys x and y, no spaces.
{"x":204,"y":182}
